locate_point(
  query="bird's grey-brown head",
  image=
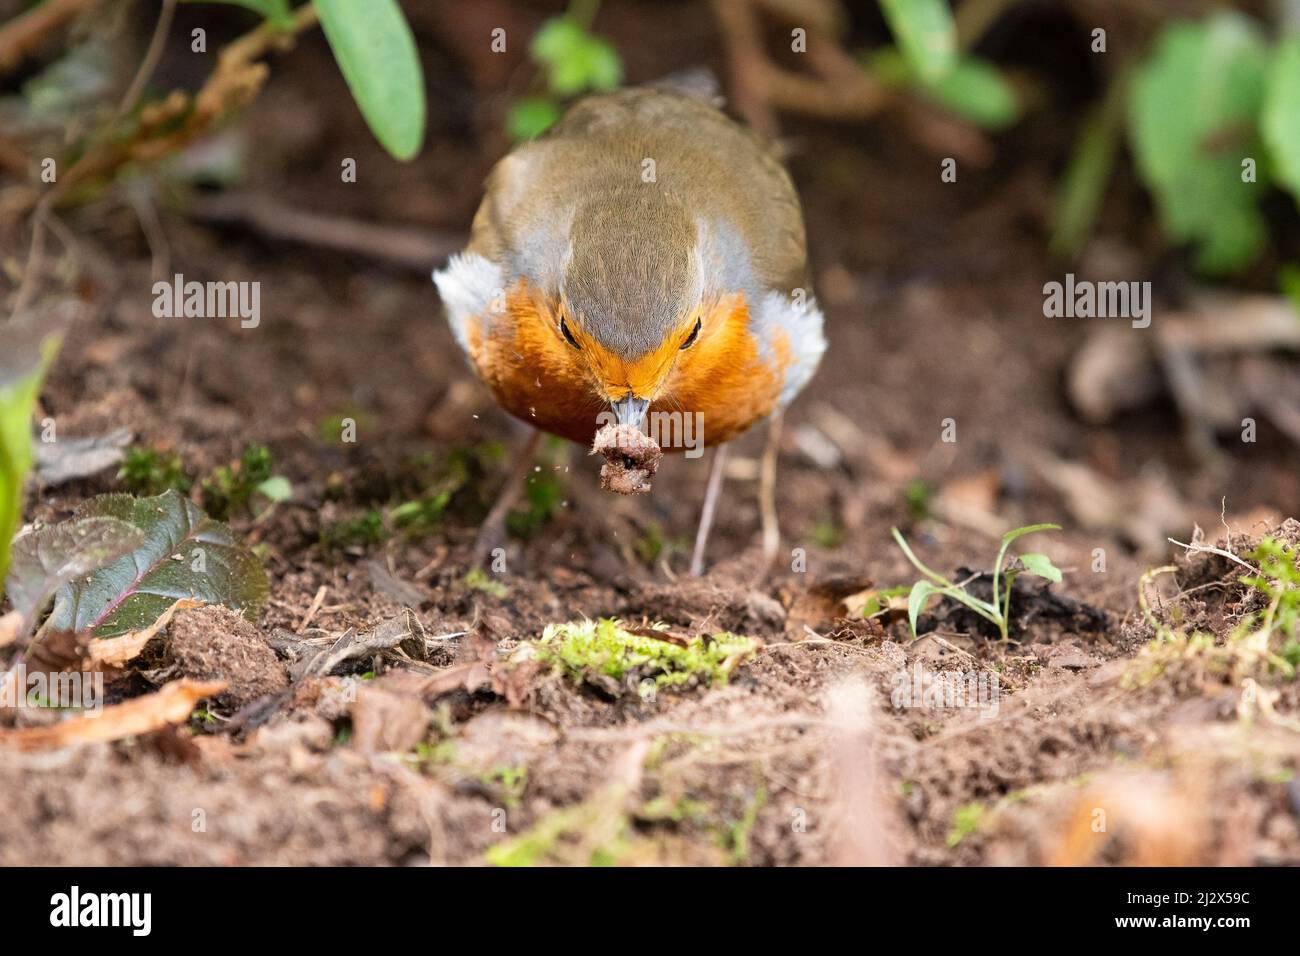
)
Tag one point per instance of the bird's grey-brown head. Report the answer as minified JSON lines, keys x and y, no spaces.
{"x":631,"y":276}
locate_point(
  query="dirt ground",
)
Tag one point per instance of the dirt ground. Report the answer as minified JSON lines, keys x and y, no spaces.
{"x":933,"y":298}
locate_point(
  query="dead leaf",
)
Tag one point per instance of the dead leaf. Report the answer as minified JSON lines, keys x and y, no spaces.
{"x":67,"y":459}
{"x":118,"y":651}
{"x":388,"y":583}
{"x":173,"y":704}
{"x":404,"y":632}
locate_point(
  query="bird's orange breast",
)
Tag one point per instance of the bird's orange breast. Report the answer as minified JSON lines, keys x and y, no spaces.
{"x":727,"y":382}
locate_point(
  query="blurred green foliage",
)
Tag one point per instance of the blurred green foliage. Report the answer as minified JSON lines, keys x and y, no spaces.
{"x":24,"y":360}
{"x":1192,"y":119}
{"x":572,"y":61}
{"x":375,"y":50}
{"x":926,"y":36}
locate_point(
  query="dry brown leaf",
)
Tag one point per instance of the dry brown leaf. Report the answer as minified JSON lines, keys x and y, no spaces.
{"x":170,"y":705}
{"x":118,"y":651}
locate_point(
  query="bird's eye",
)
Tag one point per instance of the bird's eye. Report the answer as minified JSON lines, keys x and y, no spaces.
{"x":568,"y":336}
{"x":695,"y":334}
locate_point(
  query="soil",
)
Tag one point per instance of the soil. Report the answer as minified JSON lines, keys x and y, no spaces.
{"x":933,"y":298}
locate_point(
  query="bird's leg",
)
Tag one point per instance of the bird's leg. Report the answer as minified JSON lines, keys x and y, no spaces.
{"x":706,"y":513}
{"x":767,"y":490}
{"x":492,"y":533}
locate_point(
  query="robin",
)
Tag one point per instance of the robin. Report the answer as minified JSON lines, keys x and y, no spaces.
{"x":642,"y":261}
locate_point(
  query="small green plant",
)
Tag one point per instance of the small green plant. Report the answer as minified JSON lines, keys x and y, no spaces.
{"x":739,"y":831}
{"x":479,"y":581}
{"x":511,"y":782}
{"x":544,"y":492}
{"x":376,"y":53}
{"x":593,"y":833}
{"x":572,"y":61}
{"x":606,"y":647}
{"x":1250,"y":651}
{"x":919,"y":496}
{"x":879,"y":602}
{"x":147,"y":472}
{"x":998,"y":611}
{"x":421,"y":516}
{"x":826,"y":534}
{"x":1279,"y":581}
{"x":965,"y":821}
{"x":231,"y":488}
{"x":364,"y":530}
{"x":24,"y":358}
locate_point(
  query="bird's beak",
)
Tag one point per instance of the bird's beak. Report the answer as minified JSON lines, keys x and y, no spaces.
{"x":631,"y":410}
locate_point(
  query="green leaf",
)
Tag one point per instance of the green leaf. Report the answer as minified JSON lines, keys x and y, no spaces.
{"x":1083,"y":187}
{"x":531,"y":117}
{"x":1280,"y":122}
{"x":276,"y":488}
{"x":1042,"y":566}
{"x":185,"y":554}
{"x":1027,"y":529}
{"x":921,"y":592}
{"x":976,"y":90}
{"x":376,"y":52}
{"x":926,"y":35}
{"x":1192,"y":116}
{"x":277,"y":11}
{"x":25,"y":354}
{"x":575,"y":60}
{"x":44,"y":560}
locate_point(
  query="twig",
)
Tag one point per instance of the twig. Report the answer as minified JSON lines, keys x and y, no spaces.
{"x":1206,"y":549}
{"x":316,"y":603}
{"x":409,"y":248}
{"x":23,"y":34}
{"x":150,"y":61}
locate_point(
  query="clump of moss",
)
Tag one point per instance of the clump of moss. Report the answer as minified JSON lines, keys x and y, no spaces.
{"x":363,"y":530}
{"x":1279,"y":582}
{"x":966,"y":820}
{"x":593,"y":833}
{"x":606,"y":648}
{"x":1264,"y":645}
{"x":147,"y":473}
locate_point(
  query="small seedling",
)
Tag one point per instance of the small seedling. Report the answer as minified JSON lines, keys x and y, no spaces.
{"x":146,"y":472}
{"x":1004,"y":573}
{"x":479,"y":581}
{"x":230,"y":488}
{"x":365,"y":529}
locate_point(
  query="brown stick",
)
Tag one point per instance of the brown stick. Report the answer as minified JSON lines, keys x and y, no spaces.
{"x":23,"y":34}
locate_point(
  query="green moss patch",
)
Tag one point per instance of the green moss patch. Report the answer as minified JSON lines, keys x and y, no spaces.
{"x":605,"y":647}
